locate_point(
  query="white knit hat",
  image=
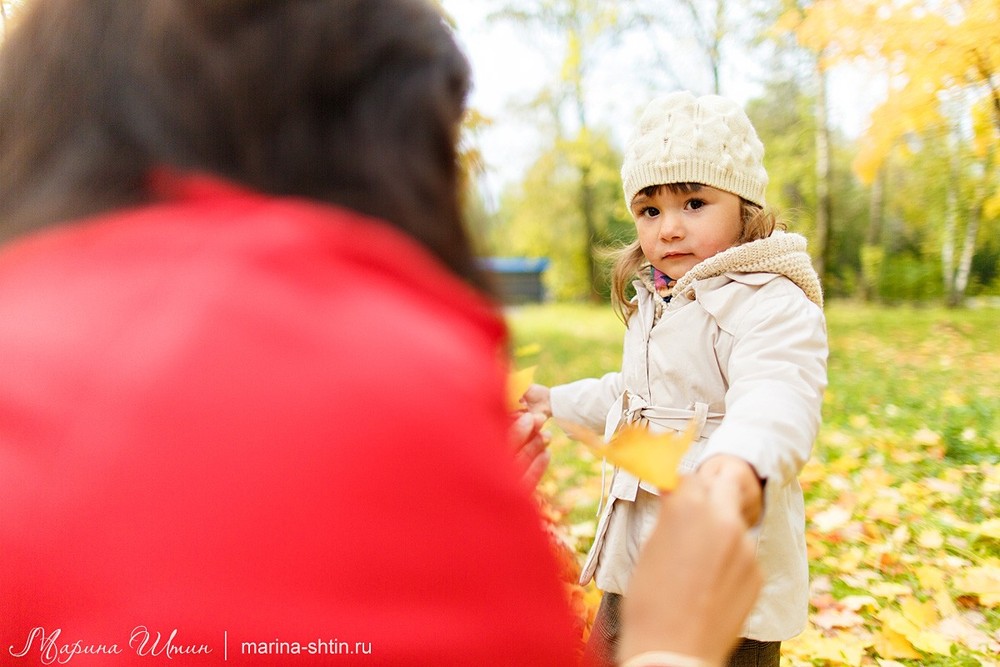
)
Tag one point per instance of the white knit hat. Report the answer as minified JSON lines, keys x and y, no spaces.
{"x":686,"y":139}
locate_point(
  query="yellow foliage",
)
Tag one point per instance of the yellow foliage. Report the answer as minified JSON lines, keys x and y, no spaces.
{"x":931,"y":52}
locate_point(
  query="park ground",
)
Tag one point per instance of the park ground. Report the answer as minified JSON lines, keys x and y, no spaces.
{"x":902,"y":490}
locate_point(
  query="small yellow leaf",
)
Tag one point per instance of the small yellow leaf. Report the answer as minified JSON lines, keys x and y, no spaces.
{"x":653,"y":457}
{"x":518,"y":383}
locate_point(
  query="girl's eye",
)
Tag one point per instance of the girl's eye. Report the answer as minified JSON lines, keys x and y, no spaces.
{"x":696,"y":203}
{"x":649,"y":212}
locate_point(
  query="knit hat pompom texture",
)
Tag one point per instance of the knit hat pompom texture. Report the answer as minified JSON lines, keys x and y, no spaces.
{"x":686,"y":139}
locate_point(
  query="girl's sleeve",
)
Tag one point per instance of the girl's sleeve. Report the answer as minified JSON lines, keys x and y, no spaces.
{"x":586,"y":402}
{"x":777,"y":375}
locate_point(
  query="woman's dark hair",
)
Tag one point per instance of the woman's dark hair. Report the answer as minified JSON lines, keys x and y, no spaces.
{"x":352,"y":102}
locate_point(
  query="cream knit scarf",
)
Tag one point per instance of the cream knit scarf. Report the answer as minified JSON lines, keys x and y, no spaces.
{"x":782,"y":253}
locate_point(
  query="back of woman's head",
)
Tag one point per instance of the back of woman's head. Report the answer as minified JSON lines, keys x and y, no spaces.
{"x":354,"y":102}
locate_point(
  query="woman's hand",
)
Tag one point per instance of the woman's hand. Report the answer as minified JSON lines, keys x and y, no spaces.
{"x":529,"y":443}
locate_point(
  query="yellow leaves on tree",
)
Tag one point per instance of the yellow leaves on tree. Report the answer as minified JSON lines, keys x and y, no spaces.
{"x":934,"y":54}
{"x":653,"y":457}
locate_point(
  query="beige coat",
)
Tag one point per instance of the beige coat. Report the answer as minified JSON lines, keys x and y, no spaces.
{"x":744,"y":354}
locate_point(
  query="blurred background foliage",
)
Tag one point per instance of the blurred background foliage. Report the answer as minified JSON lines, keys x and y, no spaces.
{"x":906,"y":210}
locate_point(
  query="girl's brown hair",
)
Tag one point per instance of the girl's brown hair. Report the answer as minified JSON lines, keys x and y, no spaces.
{"x":352,"y":102}
{"x":758,"y":223}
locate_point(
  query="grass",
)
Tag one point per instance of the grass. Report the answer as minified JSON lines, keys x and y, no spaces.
{"x":905,"y":468}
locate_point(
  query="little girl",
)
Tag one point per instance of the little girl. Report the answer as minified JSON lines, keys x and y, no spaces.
{"x":726,"y":328}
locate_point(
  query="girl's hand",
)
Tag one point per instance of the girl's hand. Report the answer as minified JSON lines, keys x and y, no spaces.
{"x":726,"y":470}
{"x":537,"y":400}
{"x":696,"y":578}
{"x":529,"y":443}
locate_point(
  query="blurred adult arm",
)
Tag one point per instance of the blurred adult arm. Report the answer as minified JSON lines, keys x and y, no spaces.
{"x":695,"y":582}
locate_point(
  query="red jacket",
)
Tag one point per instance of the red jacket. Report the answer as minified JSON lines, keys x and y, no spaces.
{"x":256,"y":425}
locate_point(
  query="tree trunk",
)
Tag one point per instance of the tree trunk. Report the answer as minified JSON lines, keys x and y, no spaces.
{"x":873,"y":238}
{"x":715,"y":48}
{"x":965,"y":262}
{"x":948,"y":243}
{"x":586,"y":186}
{"x":823,"y":175}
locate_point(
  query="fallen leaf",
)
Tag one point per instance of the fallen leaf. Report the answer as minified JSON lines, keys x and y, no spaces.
{"x":653,"y":457}
{"x":921,"y":638}
{"x":891,"y":644}
{"x":930,"y":539}
{"x":830,"y":519}
{"x":922,"y":614}
{"x":858,"y":602}
{"x":833,"y":617}
{"x":981,"y":581}
{"x":843,"y":649}
{"x":960,"y":630}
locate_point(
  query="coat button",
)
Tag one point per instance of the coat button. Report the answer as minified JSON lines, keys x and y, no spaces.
{"x":690,"y":294}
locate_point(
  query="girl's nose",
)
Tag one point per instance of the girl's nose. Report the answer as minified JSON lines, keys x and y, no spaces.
{"x":671,"y":227}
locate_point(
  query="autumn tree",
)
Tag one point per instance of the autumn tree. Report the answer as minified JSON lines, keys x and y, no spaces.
{"x":586,"y":27}
{"x":591,"y":34}
{"x":539,"y":215}
{"x":785,"y":119}
{"x":942,"y":65}
{"x":793,"y":15}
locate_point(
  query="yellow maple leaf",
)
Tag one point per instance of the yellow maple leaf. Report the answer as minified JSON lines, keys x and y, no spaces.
{"x":518,"y":383}
{"x":914,"y":631}
{"x":922,"y":614}
{"x":653,"y":457}
{"x":891,"y":644}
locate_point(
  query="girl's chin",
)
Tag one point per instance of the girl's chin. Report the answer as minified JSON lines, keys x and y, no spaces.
{"x":677,"y":268}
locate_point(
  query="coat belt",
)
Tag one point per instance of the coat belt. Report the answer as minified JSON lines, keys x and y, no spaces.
{"x":631,"y":408}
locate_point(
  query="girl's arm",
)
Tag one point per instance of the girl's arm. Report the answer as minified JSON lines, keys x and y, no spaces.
{"x":586,"y":402}
{"x":777,"y":375}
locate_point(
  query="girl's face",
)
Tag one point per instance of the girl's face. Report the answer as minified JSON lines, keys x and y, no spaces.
{"x":679,"y":229}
